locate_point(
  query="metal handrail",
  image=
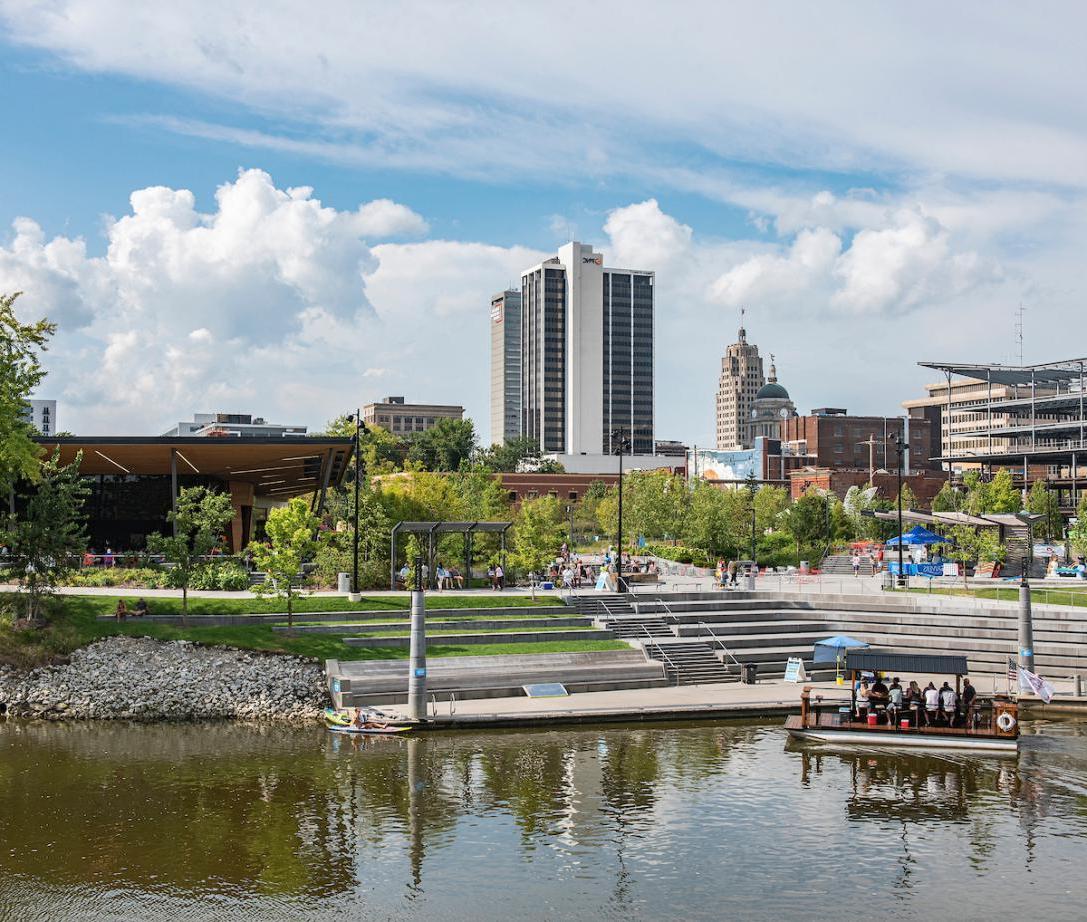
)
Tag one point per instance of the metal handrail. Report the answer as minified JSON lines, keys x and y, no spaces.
{"x":667,"y":659}
{"x":724,"y":646}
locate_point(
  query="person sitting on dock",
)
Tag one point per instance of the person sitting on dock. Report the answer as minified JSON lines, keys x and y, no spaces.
{"x":932,"y":704}
{"x":949,"y":703}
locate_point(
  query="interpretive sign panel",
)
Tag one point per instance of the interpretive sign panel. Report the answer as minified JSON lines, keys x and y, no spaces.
{"x":794,"y":670}
{"x":546,"y":690}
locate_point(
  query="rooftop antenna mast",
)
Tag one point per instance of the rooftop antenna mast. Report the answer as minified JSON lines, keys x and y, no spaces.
{"x":1019,"y":331}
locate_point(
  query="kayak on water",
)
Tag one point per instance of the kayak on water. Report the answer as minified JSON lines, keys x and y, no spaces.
{"x":362,"y":720}
{"x":369,"y":730}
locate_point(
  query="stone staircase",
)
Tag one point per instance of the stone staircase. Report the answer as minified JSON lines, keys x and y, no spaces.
{"x":602,"y":605}
{"x":842,"y":565}
{"x":690,"y":663}
{"x":638,"y":628}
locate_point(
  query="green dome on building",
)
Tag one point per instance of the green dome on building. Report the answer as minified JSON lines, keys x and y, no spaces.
{"x":772,"y":390}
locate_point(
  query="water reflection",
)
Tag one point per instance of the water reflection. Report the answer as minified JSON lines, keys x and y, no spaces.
{"x":625,"y":822}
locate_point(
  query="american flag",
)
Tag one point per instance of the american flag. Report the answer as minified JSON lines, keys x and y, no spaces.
{"x":1013,"y":669}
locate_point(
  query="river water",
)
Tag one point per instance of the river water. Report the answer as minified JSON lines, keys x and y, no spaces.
{"x":726,"y":821}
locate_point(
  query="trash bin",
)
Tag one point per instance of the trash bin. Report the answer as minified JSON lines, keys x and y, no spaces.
{"x":343,"y":582}
{"x":749,"y":673}
{"x":750,"y":580}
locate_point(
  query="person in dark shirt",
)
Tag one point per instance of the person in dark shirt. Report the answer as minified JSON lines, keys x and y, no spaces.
{"x":969,"y":693}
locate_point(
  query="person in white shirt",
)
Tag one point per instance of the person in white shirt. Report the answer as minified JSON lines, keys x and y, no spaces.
{"x":567,"y":578}
{"x":949,"y":702}
{"x":932,"y":704}
{"x":856,"y":564}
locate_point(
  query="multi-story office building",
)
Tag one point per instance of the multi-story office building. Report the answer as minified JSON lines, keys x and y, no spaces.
{"x":402,"y":418}
{"x":232,"y":425}
{"x":42,"y":415}
{"x":505,"y":366}
{"x":1030,"y":419}
{"x":739,"y":384}
{"x":586,"y":354}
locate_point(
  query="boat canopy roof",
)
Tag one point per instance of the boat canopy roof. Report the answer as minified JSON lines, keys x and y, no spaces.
{"x":890,"y":661}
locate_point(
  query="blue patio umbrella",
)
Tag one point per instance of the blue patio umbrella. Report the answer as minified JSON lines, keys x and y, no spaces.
{"x":833,"y":648}
{"x":919,"y":535}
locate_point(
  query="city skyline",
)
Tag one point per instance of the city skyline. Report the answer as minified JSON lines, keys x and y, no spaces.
{"x":220,"y":248}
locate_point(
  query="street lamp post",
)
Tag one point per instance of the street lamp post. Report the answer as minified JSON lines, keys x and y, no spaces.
{"x":622,"y":442}
{"x":360,"y":427}
{"x":898,"y":473}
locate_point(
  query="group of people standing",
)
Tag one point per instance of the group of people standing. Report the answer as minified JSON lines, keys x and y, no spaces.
{"x":924,"y":707}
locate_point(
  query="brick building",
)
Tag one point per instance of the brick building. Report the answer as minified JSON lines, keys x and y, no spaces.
{"x":830,"y":437}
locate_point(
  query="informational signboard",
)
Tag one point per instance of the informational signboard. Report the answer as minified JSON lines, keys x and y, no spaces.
{"x":794,"y":670}
{"x":546,"y":690}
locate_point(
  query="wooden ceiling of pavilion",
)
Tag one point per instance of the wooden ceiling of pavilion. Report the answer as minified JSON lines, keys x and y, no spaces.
{"x":277,"y":467}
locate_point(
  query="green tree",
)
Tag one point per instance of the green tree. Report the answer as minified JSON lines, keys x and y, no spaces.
{"x":809,"y":522}
{"x":538,"y":533}
{"x":909,"y":498}
{"x":947,"y":500}
{"x":1043,"y":501}
{"x":1077,"y":534}
{"x":292,"y":540}
{"x":1003,"y":495}
{"x":199,"y":520}
{"x":770,"y":503}
{"x":20,"y":372}
{"x":975,"y":545}
{"x":445,"y":446}
{"x":655,"y":504}
{"x":510,"y":455}
{"x":45,"y":542}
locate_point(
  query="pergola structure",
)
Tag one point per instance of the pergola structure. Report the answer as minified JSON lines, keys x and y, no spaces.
{"x":432,"y":530}
{"x":1043,"y":422}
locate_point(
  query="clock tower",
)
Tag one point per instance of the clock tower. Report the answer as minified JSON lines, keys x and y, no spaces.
{"x":771,"y":405}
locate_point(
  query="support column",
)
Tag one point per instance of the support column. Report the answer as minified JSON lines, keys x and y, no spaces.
{"x":326,"y":473}
{"x":1026,"y":627}
{"x":417,"y":654}
{"x":173,"y":486}
{"x":241,"y":497}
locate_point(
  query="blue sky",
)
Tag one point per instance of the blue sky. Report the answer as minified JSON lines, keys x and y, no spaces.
{"x":874,"y":191}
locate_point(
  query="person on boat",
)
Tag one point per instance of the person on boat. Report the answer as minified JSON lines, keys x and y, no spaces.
{"x":895,"y":700}
{"x":877,"y":696}
{"x":949,"y":703}
{"x":862,"y":700}
{"x":969,"y":693}
{"x":914,"y":701}
{"x":932,"y":704}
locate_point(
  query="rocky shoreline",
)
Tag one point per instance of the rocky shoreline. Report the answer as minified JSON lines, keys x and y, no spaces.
{"x":137,"y":678}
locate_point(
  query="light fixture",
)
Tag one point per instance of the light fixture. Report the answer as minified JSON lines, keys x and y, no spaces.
{"x":186,"y":460}
{"x":111,"y":461}
{"x":302,"y":458}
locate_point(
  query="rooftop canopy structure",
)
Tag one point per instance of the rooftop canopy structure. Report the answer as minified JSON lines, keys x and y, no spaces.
{"x":1035,"y":423}
{"x":433,"y":530}
{"x":135,"y":479}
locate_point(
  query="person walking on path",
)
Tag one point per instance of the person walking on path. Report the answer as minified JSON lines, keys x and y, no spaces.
{"x":856,"y":564}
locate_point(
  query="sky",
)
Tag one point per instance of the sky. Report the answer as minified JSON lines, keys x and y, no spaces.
{"x":291,"y":211}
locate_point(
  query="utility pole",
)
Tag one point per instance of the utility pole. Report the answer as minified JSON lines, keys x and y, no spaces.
{"x":871,"y":443}
{"x":417,"y":653}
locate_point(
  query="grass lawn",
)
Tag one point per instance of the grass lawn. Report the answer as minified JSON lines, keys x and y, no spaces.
{"x":1073,"y":595}
{"x":75,"y":624}
{"x":435,"y":601}
{"x":431,"y":631}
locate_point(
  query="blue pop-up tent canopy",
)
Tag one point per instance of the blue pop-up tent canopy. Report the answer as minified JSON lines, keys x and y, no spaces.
{"x":920,"y":535}
{"x":833,"y":648}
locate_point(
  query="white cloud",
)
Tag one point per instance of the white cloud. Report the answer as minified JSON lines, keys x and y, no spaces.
{"x":643,"y":236}
{"x":908,"y":260}
{"x":189,"y":309}
{"x":994,"y":96}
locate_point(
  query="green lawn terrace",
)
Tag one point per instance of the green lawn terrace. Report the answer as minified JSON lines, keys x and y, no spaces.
{"x":372,"y":627}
